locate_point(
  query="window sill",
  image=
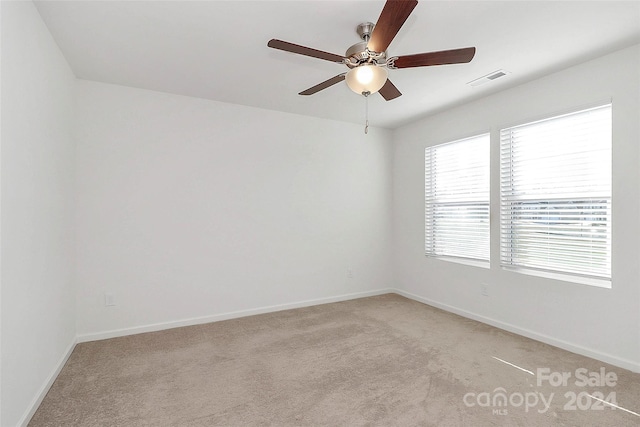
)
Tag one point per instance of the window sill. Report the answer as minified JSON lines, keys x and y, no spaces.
{"x":465,"y":261}
{"x":591,"y":281}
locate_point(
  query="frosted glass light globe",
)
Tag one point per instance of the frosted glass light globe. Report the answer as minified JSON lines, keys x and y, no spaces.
{"x":366,"y":78}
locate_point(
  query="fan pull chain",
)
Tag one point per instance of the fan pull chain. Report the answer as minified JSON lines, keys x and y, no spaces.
{"x":366,"y":112}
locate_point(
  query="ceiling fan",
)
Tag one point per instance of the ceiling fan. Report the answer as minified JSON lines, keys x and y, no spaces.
{"x":367,"y":60}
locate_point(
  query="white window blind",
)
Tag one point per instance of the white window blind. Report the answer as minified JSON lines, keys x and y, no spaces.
{"x":457,"y":199}
{"x":556,"y":194}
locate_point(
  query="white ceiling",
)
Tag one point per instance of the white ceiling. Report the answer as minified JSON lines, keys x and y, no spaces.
{"x":218,"y":49}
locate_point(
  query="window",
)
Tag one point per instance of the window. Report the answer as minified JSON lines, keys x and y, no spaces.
{"x":555,"y":185}
{"x":457,"y":199}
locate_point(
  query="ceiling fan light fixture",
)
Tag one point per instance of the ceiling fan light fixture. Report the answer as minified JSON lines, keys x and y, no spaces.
{"x":367,"y":60}
{"x":366,"y":78}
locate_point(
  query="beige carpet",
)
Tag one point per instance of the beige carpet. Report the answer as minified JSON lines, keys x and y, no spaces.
{"x":381,"y":361}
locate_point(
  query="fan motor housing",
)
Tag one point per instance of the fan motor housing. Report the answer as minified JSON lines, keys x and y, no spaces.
{"x":358,"y":53}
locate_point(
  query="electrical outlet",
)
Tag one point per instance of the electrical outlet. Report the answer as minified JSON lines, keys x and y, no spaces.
{"x":484,"y":289}
{"x":109,"y":300}
{"x":349,"y":273}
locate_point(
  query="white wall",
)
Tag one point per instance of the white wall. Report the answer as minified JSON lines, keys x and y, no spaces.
{"x":190,"y":208}
{"x":37,"y":163}
{"x":590,"y":320}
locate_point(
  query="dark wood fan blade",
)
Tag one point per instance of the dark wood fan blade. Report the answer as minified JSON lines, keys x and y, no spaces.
{"x":325,"y":84}
{"x":389,"y":91}
{"x":303,"y":50}
{"x":455,"y":56}
{"x":393,"y":16}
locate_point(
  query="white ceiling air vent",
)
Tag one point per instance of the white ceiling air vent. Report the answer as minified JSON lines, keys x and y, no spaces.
{"x":489,"y":77}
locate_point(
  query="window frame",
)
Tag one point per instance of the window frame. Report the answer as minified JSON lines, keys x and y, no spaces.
{"x":430,"y":231}
{"x":554,"y":273}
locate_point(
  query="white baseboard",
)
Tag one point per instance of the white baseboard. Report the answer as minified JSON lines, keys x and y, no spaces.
{"x":225,"y":316}
{"x":37,"y":400}
{"x":613,"y":360}
{"x":565,"y":345}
